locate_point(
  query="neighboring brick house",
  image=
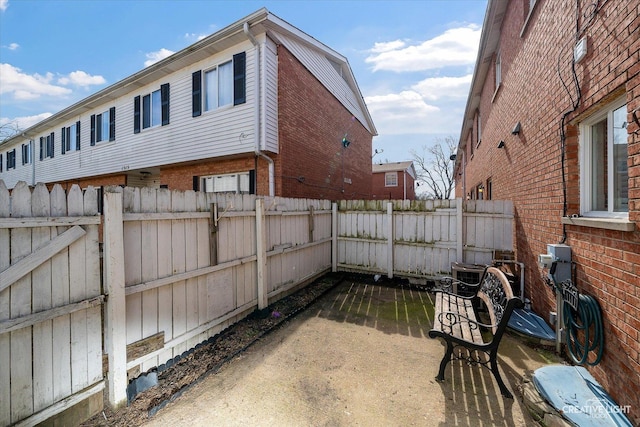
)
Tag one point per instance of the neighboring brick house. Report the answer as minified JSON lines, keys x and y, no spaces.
{"x":393,"y":181}
{"x":257,"y":107}
{"x":552,"y":123}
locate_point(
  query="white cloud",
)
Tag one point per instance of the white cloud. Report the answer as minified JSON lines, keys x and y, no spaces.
{"x":436,"y":88}
{"x":28,"y":86}
{"x":401,"y":113}
{"x":4,"y":4}
{"x":11,"y":46}
{"x":194,"y":36}
{"x":456,"y":46}
{"x":388,"y":46}
{"x":153,"y":57}
{"x":80,"y":78}
{"x":26,"y":121}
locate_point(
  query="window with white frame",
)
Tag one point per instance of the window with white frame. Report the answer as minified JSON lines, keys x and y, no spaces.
{"x":27,"y":156}
{"x":151,"y":109}
{"x":227,"y":183}
{"x":391,"y":179}
{"x":218,"y":84}
{"x":71,"y":138}
{"x":47,"y":146}
{"x":103,"y":126}
{"x":604,"y":171}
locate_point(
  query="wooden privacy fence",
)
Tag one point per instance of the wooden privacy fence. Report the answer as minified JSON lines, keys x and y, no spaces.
{"x":181,"y":266}
{"x":419,"y":238}
{"x":50,"y":301}
{"x":178,"y":267}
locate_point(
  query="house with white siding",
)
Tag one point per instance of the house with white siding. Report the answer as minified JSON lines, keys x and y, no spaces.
{"x":257,"y":107}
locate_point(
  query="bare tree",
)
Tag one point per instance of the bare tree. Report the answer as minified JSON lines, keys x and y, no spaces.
{"x":8,"y":129}
{"x":434,"y":168}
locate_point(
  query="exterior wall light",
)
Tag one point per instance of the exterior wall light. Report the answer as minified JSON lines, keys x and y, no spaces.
{"x":501,"y":144}
{"x":516,"y":129}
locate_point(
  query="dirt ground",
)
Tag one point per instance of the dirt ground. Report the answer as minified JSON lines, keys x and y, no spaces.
{"x":359,"y":355}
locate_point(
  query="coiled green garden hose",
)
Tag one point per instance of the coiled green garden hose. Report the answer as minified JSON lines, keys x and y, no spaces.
{"x":587,"y":318}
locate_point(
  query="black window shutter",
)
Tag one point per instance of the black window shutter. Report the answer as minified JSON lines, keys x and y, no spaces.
{"x":78,"y":135}
{"x":52,"y":146}
{"x":93,"y":129}
{"x":41,"y":147}
{"x":24,"y":154}
{"x":99,"y":135}
{"x":164,"y":97}
{"x":252,"y":181}
{"x":63,"y":132}
{"x":112,"y":124}
{"x":0,"y":162}
{"x":196,"y":93}
{"x":196,"y":183}
{"x":239,"y":78}
{"x":68,"y":136}
{"x":136,"y":114}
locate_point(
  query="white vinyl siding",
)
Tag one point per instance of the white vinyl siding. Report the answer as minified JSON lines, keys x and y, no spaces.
{"x":223,"y":132}
{"x":270,"y":113}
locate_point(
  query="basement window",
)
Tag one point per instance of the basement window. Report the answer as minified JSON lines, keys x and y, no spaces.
{"x":238,"y":183}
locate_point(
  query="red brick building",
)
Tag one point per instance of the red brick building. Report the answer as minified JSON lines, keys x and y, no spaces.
{"x":393,"y":181}
{"x":552,"y":123}
{"x":258,"y":107}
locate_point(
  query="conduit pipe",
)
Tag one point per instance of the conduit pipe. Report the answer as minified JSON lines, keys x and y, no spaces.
{"x":258,"y":110}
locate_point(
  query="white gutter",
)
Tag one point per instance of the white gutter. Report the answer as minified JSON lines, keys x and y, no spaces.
{"x":259,"y":130}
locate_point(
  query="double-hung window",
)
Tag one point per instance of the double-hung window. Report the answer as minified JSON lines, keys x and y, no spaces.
{"x":47,"y":146}
{"x":71,"y":138}
{"x":221,"y":85}
{"x":604,"y":170}
{"x":391,"y":179}
{"x":27,"y":156}
{"x":152,"y":109}
{"x":103,"y":126}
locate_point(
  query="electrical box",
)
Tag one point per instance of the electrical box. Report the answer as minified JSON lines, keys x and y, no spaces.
{"x":561,"y":255}
{"x":580,"y":50}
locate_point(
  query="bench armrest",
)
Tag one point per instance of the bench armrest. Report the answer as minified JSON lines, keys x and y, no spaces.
{"x":447,"y":284}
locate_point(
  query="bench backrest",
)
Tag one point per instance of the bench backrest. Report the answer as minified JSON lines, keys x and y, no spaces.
{"x":497,"y":295}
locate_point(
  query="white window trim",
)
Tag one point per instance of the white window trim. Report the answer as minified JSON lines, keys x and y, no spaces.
{"x":205,"y":89}
{"x":390,"y":174}
{"x":586,"y":158}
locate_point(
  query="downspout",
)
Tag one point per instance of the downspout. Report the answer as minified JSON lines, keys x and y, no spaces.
{"x":404,"y":184}
{"x":259,"y":108}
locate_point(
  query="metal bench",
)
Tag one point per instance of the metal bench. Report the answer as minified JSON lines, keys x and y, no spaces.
{"x":457,"y":321}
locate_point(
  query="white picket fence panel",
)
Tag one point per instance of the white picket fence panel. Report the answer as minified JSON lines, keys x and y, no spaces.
{"x":50,"y":301}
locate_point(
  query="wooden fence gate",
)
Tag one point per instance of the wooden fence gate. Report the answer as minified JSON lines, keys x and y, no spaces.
{"x":50,"y":302}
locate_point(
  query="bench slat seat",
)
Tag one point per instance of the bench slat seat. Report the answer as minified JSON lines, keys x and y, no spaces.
{"x":456,"y":320}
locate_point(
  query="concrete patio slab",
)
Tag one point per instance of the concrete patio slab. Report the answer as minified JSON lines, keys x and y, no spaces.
{"x":359,"y":356}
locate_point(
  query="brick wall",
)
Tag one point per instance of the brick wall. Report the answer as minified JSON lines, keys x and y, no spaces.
{"x":528,"y":170}
{"x":312,"y":122}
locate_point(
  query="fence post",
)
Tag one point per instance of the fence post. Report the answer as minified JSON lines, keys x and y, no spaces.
{"x":261,"y":254}
{"x":390,"y":240}
{"x":334,"y":237}
{"x":115,"y":310}
{"x":459,"y":230}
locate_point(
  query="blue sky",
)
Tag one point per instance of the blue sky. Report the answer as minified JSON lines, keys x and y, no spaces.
{"x":413,"y":60}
